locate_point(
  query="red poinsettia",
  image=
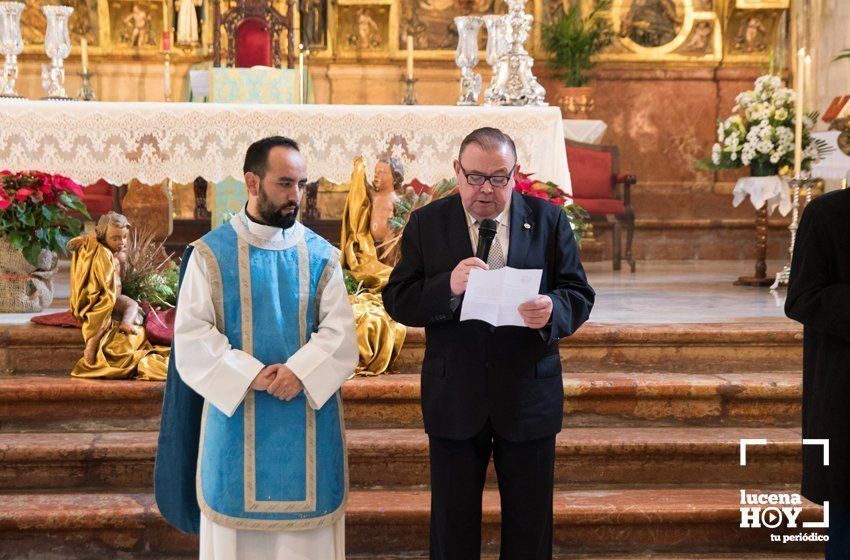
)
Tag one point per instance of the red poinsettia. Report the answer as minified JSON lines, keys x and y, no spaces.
{"x":35,"y":211}
{"x":550,"y":191}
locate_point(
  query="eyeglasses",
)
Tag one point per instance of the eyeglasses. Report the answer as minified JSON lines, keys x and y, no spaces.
{"x":478,"y":180}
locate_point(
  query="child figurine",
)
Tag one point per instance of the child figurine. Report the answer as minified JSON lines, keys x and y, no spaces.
{"x":97,"y":264}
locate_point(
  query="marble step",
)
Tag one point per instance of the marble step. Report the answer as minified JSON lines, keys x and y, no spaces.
{"x":385,"y":522}
{"x":775,"y":345}
{"x":399,"y":458}
{"x":55,"y":403}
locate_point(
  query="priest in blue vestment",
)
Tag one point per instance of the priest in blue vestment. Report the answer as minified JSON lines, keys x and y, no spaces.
{"x":252,"y":446}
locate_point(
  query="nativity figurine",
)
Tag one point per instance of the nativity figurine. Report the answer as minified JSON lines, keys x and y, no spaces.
{"x":368,"y":209}
{"x":115,"y":343}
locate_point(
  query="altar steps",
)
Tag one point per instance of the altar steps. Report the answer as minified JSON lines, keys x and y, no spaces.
{"x":380,"y":522}
{"x":699,"y":347}
{"x":649,"y":459}
{"x":61,"y":403}
{"x":393,"y":458}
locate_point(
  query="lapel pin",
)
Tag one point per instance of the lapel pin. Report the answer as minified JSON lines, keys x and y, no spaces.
{"x":526,"y":226}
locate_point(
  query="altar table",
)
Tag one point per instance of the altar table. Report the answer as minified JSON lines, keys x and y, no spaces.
{"x":151,"y":142}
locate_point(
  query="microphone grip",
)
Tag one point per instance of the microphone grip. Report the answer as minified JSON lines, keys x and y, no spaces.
{"x":483,"y":251}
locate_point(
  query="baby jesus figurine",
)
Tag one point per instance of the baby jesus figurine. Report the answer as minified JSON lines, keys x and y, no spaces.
{"x":115,"y":342}
{"x":383,"y":192}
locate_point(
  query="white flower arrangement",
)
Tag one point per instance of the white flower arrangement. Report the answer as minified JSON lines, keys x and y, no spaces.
{"x":762,"y":130}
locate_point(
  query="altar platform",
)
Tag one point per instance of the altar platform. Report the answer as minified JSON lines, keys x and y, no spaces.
{"x":647,"y":465}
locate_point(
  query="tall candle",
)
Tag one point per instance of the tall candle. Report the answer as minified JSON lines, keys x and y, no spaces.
{"x":810,"y":100}
{"x":410,"y":57}
{"x":167,"y":79}
{"x":84,"y":53}
{"x":798,"y":113}
{"x":301,"y":74}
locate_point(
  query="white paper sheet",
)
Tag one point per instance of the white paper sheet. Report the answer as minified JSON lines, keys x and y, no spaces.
{"x":494,"y":296}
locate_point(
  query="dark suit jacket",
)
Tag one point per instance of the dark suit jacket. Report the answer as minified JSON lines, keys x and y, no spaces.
{"x":472,"y":371}
{"x":819,"y":297}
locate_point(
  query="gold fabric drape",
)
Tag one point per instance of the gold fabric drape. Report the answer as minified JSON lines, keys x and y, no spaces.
{"x":93,"y":297}
{"x":379,"y":337}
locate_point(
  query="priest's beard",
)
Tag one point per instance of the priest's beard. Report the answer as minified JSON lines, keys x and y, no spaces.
{"x":272,"y":215}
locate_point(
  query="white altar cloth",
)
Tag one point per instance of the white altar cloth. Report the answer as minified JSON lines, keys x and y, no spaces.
{"x":588,"y":131}
{"x":773,"y":191}
{"x":151,"y":142}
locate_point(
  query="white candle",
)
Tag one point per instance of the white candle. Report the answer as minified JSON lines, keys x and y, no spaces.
{"x":167,"y":80}
{"x":84,"y":53}
{"x":798,"y":113}
{"x":810,"y":100}
{"x":410,"y":57}
{"x":301,"y":74}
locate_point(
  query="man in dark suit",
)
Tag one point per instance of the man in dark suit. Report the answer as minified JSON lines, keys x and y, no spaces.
{"x":485,"y":389}
{"x":819,"y":298}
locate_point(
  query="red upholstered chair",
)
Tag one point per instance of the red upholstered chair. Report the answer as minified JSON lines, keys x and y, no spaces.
{"x":253,"y":43}
{"x":98,"y":198}
{"x":600,"y":188}
{"x":254,"y":29}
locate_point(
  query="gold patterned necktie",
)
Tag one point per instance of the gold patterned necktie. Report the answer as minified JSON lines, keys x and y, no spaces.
{"x":496,"y":257}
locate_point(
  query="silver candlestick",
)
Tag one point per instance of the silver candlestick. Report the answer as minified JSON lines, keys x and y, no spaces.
{"x":466,"y":58}
{"x":11,"y":45}
{"x":57,"y":45}
{"x":784,"y":275}
{"x":86,"y":93}
{"x":496,"y":46}
{"x":410,"y":93}
{"x":514,"y":83}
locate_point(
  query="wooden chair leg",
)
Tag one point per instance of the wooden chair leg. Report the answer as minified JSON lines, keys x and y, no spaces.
{"x":616,"y":232}
{"x":630,"y":235}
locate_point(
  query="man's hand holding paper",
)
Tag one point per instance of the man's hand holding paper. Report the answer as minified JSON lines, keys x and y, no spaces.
{"x":505,"y":297}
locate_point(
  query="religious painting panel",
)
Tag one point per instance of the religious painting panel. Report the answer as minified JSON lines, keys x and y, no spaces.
{"x":431,"y":22}
{"x":366,"y":29}
{"x":136,"y":25}
{"x":664,"y":30}
{"x":314,"y":17}
{"x":84,"y":23}
{"x":750,"y":35}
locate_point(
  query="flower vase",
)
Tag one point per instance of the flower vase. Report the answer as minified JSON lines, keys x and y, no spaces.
{"x":763,"y":169}
{"x":25,"y":288}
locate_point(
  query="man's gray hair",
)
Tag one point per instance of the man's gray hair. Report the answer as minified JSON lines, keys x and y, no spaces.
{"x":113,"y":219}
{"x":488,"y":139}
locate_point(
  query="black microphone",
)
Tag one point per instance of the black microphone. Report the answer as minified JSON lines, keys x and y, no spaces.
{"x":486,"y":233}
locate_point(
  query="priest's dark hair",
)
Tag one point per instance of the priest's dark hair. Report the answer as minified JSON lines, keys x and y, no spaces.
{"x":257,"y":155}
{"x":489,"y":139}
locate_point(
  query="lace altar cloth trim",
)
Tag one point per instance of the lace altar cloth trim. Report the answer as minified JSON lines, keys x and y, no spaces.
{"x":180,"y":141}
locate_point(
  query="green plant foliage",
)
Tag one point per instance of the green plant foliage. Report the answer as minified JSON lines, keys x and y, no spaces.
{"x":574,"y":40}
{"x":35,"y":212}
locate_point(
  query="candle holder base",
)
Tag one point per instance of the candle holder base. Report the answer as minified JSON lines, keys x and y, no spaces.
{"x":86,"y":93}
{"x":782,"y":278}
{"x":10,"y":96}
{"x":410,"y":93}
{"x":753,"y":281}
{"x":56,"y":98}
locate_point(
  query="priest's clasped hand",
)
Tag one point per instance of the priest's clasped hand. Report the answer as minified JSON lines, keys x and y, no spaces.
{"x":537,"y":312}
{"x":278,"y":381}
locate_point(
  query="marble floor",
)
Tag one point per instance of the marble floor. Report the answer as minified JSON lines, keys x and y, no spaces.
{"x":682,"y":292}
{"x":659,"y":292}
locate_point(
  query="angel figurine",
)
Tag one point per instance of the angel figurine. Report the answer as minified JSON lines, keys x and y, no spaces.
{"x":116,"y":346}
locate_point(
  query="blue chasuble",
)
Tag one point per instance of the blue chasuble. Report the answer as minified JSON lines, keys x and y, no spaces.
{"x":274,"y":465}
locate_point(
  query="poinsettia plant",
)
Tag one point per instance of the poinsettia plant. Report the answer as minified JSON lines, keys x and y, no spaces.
{"x":35,"y":211}
{"x":548,"y":190}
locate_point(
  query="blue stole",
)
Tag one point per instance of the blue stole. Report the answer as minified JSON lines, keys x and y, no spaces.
{"x":273,"y":465}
